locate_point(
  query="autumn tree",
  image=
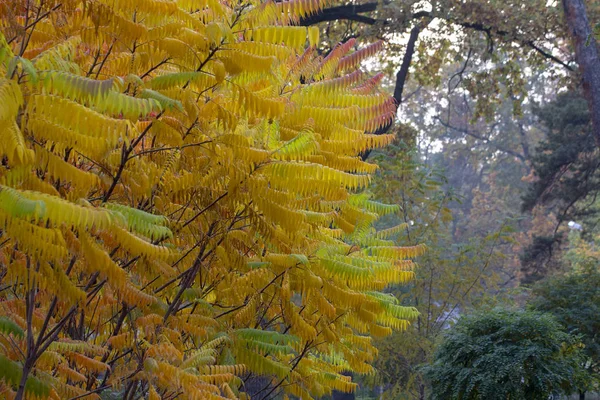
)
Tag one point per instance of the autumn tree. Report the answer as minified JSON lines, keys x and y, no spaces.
{"x":564,"y":164}
{"x":181,"y":204}
{"x":504,"y":38}
{"x":483,"y":58}
{"x":453,"y":276}
{"x":488,"y":165}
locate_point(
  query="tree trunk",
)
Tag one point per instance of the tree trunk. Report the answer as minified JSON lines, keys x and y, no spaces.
{"x":581,"y":395}
{"x":21,"y":390}
{"x":402,"y":75}
{"x":586,"y":54}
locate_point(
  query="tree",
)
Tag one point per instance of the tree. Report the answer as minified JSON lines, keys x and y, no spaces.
{"x":181,"y":203}
{"x":503,"y":354}
{"x":505,"y":38}
{"x":587,"y":56}
{"x":489,"y":55}
{"x":454,"y":275}
{"x":574,"y":301}
{"x":482,"y":57}
{"x":565,"y":178}
{"x":564,"y":165}
{"x":489,"y":164}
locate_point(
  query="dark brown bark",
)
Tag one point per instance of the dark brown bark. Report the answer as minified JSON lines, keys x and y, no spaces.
{"x":586,"y":55}
{"x":353,"y":13}
{"x":31,"y":348}
{"x":402,"y":74}
{"x":21,"y":390}
{"x":401,"y":78}
{"x":350,"y":12}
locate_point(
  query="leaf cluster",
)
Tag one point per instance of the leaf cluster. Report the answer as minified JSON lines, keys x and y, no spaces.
{"x":500,"y":354}
{"x":182,"y":205}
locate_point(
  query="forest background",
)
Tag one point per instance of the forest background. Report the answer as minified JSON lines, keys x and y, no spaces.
{"x":495,"y":166}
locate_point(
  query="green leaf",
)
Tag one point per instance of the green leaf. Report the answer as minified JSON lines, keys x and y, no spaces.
{"x":257,"y":264}
{"x":75,"y":87}
{"x":17,"y":205}
{"x":8,"y":326}
{"x":29,"y":69}
{"x":265,"y":336}
{"x":165,"y":101}
{"x":149,"y":225}
{"x":11,"y":373}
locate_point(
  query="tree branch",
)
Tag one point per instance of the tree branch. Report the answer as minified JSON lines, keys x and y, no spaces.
{"x":352,"y":13}
{"x":402,"y":74}
{"x":549,"y":56}
{"x":401,"y":77}
{"x":347,"y":12}
{"x":483,"y":139}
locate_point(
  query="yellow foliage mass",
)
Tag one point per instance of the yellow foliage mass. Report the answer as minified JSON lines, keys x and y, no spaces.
{"x":180,"y":201}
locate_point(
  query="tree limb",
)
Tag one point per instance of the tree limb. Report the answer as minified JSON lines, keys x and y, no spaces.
{"x":483,"y":139}
{"x":352,"y":13}
{"x":347,"y":12}
{"x":401,"y":78}
{"x":549,"y":56}
{"x":402,"y":74}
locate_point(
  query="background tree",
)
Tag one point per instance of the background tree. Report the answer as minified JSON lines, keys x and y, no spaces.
{"x":587,"y":56}
{"x":574,"y":301}
{"x":487,"y":165}
{"x":564,"y":179}
{"x":502,"y":36}
{"x":501,"y":354}
{"x":479,"y":82}
{"x":454,"y":276}
{"x":564,"y":163}
{"x":494,"y":65}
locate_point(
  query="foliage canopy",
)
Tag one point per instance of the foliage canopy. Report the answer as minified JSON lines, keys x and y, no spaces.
{"x":181,"y":205}
{"x":504,"y":354}
{"x":574,"y":301}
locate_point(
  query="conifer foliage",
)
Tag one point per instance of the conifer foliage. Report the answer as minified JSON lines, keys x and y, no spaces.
{"x":182,"y":204}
